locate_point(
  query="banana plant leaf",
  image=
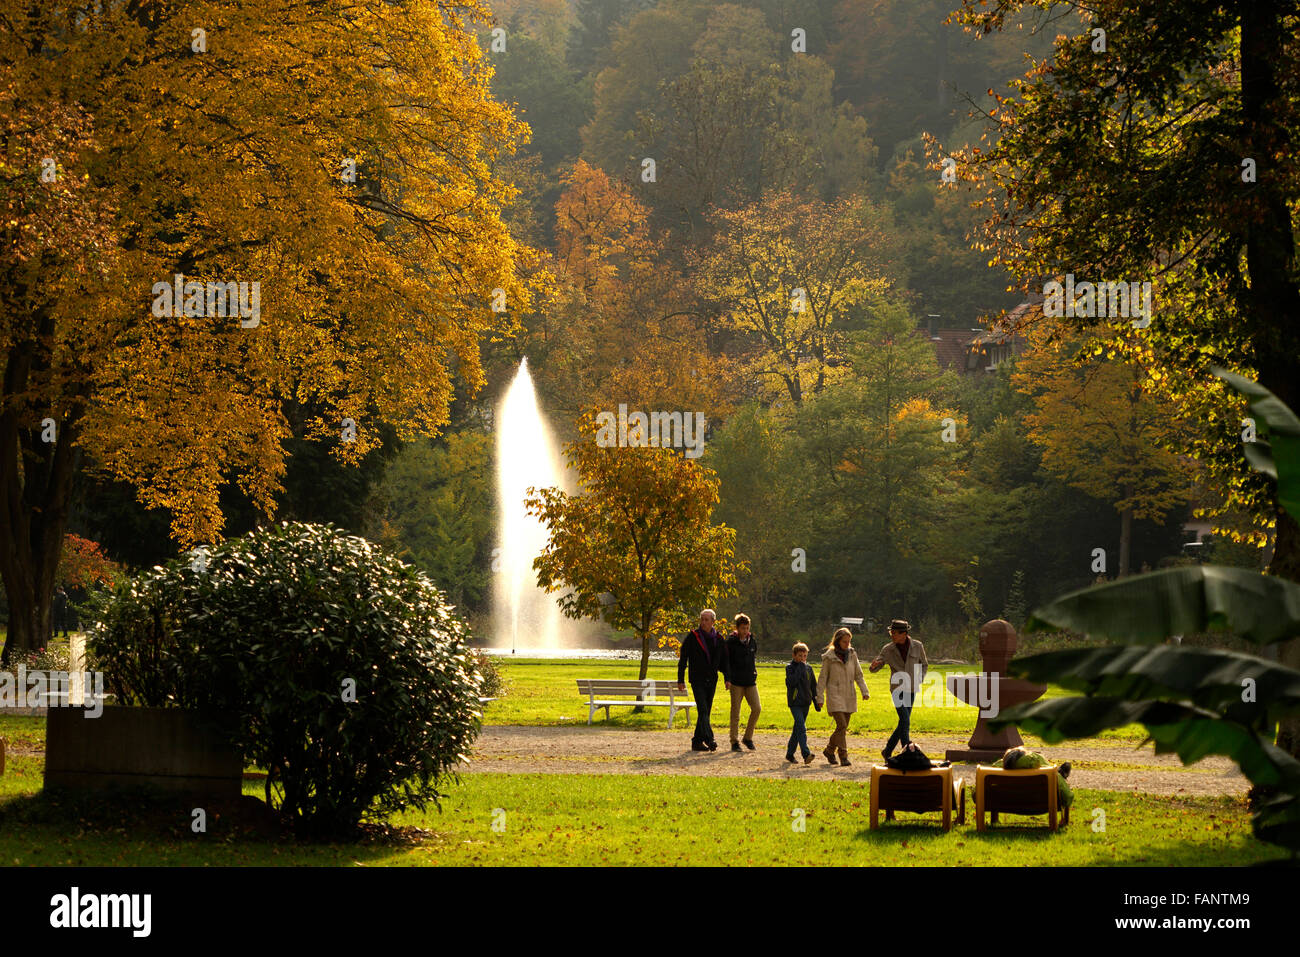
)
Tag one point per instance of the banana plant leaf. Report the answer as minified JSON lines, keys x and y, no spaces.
{"x":1191,"y":733}
{"x":1177,"y":601}
{"x":1209,"y":678}
{"x":1278,"y":821}
{"x":1279,"y":456}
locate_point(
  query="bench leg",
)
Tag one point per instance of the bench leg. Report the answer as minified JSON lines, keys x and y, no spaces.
{"x":606,"y":712}
{"x":672,"y":710}
{"x":591,"y":713}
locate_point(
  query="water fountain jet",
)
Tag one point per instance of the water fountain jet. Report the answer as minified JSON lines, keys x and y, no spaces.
{"x":526,"y":457}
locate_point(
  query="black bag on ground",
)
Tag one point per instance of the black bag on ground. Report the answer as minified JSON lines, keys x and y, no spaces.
{"x":911,"y":758}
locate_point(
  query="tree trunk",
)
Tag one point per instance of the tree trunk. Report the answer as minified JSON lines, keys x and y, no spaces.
{"x":1286,"y":564}
{"x":1272,"y":300}
{"x":1125,"y":536}
{"x":645,"y":654}
{"x":35,"y":488}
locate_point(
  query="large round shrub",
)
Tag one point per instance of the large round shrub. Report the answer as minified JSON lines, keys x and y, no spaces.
{"x":341,"y":670}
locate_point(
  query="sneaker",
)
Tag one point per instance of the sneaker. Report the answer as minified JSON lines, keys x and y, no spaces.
{"x":713,"y":745}
{"x":749,"y":744}
{"x":735,"y":745}
{"x":790,"y":758}
{"x":808,"y":758}
{"x":1064,"y":769}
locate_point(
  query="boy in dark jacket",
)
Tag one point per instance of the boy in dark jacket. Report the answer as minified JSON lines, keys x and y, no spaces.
{"x":742,"y":675}
{"x":800,"y":692}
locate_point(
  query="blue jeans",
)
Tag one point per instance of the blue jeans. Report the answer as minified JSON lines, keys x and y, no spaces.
{"x":799,"y":735}
{"x":903,"y":733}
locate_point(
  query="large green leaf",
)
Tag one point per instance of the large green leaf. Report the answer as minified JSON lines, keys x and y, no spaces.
{"x":1279,"y":457}
{"x":1191,"y":733}
{"x":1176,"y":601}
{"x":1278,"y":821}
{"x":1209,"y":678}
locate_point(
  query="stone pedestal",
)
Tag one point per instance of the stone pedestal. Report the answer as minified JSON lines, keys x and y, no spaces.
{"x":997,"y":646}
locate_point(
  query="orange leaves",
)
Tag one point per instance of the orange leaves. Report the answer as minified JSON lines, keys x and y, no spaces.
{"x":640,"y":529}
{"x":224,"y":166}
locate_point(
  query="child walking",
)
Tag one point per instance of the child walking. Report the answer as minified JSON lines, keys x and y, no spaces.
{"x":800,"y":692}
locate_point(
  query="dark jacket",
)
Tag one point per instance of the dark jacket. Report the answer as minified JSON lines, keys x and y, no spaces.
{"x":742,"y":666}
{"x":800,"y":684}
{"x":704,"y":654}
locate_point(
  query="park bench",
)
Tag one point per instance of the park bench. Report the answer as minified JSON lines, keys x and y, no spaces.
{"x":1017,"y":791}
{"x":628,"y":692}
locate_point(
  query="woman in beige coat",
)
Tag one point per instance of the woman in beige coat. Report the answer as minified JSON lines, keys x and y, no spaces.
{"x":840,"y":671}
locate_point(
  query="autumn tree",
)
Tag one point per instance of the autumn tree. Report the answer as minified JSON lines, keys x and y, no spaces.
{"x":341,"y":159}
{"x":1103,"y":430}
{"x":636,"y":545}
{"x":83,"y":564}
{"x":628,"y":325}
{"x":788,"y":276}
{"x":56,"y":243}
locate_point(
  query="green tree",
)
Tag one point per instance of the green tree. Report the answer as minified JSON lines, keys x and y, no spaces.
{"x":1193,"y":190}
{"x":435,"y":509}
{"x":751,"y":455}
{"x":875,"y":469}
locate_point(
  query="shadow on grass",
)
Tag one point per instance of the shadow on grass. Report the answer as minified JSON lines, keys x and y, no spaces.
{"x":152,"y":815}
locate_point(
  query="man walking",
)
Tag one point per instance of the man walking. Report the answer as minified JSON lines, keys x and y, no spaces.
{"x":907,"y":667}
{"x":703,"y":653}
{"x":742,"y":673}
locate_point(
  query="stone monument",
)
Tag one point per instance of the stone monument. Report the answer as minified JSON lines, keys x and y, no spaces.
{"x":997,"y":646}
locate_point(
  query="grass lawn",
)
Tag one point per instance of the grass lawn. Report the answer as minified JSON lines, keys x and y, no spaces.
{"x":545,"y":692}
{"x":625,"y":819}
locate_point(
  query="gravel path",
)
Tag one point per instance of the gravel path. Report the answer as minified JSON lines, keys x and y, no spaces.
{"x":595,"y":750}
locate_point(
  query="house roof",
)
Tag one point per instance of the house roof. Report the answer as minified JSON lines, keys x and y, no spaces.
{"x":949,"y":346}
{"x":952,"y":345}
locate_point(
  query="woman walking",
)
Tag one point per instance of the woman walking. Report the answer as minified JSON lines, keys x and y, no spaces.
{"x":840,"y":671}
